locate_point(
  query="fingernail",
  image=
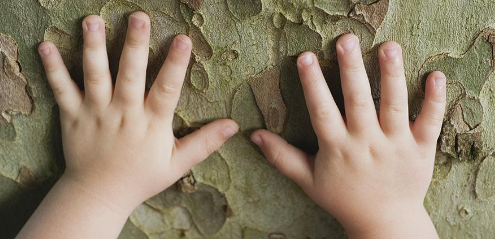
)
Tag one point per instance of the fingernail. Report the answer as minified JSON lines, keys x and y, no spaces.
{"x":93,"y":26}
{"x":181,"y":44}
{"x":349,"y":45}
{"x":136,"y":23}
{"x":391,"y":53}
{"x":46,"y":51}
{"x":257,"y":140}
{"x":306,"y":60}
{"x":440,"y":82}
{"x":229,"y":132}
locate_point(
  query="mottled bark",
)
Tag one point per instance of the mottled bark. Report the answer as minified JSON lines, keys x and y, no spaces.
{"x":243,"y":68}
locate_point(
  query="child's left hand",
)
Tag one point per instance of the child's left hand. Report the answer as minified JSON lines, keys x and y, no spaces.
{"x":118,"y":141}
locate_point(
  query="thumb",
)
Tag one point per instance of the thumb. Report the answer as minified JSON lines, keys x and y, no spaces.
{"x":196,"y":147}
{"x":289,"y":160}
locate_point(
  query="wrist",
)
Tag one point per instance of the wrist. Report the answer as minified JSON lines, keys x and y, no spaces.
{"x":99,"y":192}
{"x":404,"y":222}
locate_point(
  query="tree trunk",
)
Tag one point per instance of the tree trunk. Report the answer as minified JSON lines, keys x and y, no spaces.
{"x":243,"y":67}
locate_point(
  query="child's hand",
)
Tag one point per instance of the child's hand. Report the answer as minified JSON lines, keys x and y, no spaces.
{"x":372,"y":173}
{"x":118,"y":141}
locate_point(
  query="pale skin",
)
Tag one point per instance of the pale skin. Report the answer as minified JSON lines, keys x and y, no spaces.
{"x":371,"y":174}
{"x":372,"y":171}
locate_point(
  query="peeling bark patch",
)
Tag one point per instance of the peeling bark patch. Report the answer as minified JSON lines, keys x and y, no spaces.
{"x":472,"y":111}
{"x":333,"y":7}
{"x":50,"y":4}
{"x":187,"y":184}
{"x":466,"y":118}
{"x":14,"y":96}
{"x":469,"y":145}
{"x":207,"y":206}
{"x":277,"y":236}
{"x":199,"y":77}
{"x":279,"y":20}
{"x":182,"y":218}
{"x":266,"y":89}
{"x":244,"y":9}
{"x":7,"y":132}
{"x":198,"y":20}
{"x":215,"y":172}
{"x":485,"y":180}
{"x":193,"y":4}
{"x":26,"y":178}
{"x":300,"y":38}
{"x":371,"y":15}
{"x":201,"y":48}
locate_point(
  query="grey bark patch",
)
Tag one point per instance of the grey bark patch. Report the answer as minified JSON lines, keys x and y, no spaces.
{"x":14,"y":95}
{"x":372,"y":15}
{"x":266,"y":89}
{"x":485,"y":180}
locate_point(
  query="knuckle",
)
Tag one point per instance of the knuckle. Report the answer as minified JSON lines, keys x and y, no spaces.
{"x":94,"y":79}
{"x":394,"y":108}
{"x":276,"y":158}
{"x":350,"y":64}
{"x":357,"y":101}
{"x":127,"y":77}
{"x":394,"y":71}
{"x":133,"y":42}
{"x":58,"y":89}
{"x":314,"y":81}
{"x":168,"y":90}
{"x":323,"y":113}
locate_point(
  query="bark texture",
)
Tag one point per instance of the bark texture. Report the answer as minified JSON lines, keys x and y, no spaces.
{"x":239,"y":44}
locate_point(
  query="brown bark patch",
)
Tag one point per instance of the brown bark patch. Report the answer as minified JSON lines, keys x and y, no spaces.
{"x":266,"y":89}
{"x":193,"y":4}
{"x":372,"y":15}
{"x":14,"y":96}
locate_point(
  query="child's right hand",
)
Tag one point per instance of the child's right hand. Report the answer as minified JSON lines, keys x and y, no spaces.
{"x":372,"y":173}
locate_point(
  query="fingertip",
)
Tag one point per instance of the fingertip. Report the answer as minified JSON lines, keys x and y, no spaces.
{"x":257,"y":138}
{"x":306,"y":59}
{"x":139,"y":20}
{"x":92,"y":23}
{"x":347,"y":42}
{"x":141,"y":15}
{"x":182,"y":42}
{"x":45,"y":48}
{"x":439,"y":80}
{"x":230,"y":128}
{"x":390,"y":50}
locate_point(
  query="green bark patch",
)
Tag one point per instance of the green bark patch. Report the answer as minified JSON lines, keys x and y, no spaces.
{"x":50,"y":4}
{"x":244,"y":9}
{"x":462,"y":135}
{"x":485,"y":180}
